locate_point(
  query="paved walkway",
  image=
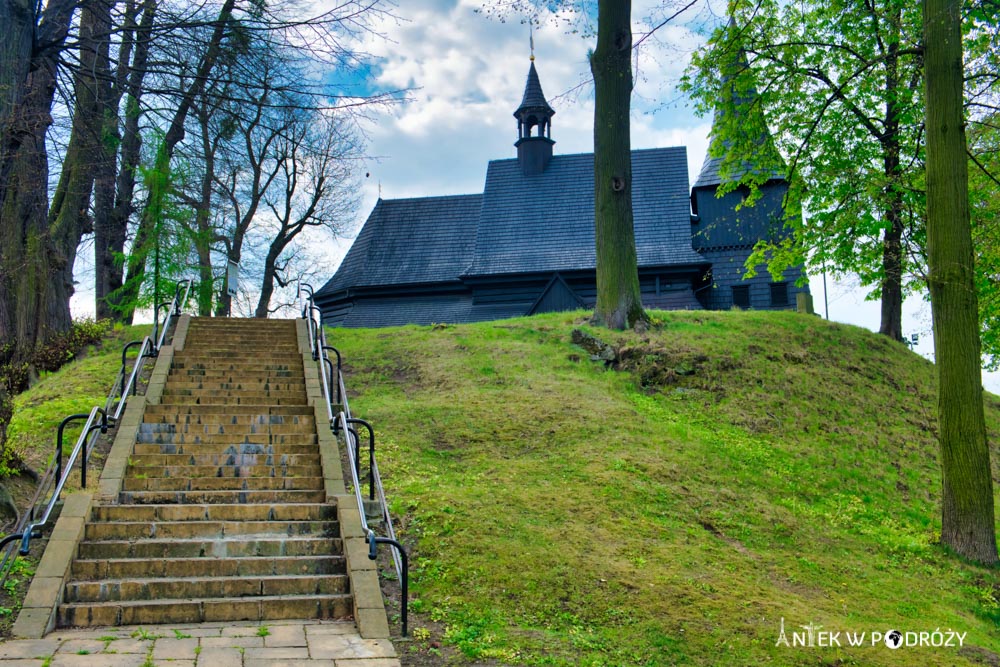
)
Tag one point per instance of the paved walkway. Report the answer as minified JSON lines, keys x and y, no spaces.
{"x":231,"y":644}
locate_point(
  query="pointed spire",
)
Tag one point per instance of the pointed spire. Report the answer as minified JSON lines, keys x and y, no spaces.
{"x":754,"y":140}
{"x":534,"y":98}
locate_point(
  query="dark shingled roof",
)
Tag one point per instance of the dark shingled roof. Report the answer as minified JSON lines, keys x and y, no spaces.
{"x":709,"y":175}
{"x":534,"y":98}
{"x":743,"y":103}
{"x":545,"y":222}
{"x":411,"y":241}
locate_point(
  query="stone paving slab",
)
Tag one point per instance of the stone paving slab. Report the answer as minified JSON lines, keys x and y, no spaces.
{"x":273,"y":644}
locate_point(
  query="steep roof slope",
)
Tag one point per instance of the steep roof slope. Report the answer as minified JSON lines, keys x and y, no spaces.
{"x":545,"y":222}
{"x":411,"y":241}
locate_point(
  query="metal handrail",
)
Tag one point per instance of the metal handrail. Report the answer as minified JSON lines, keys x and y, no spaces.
{"x":81,"y":445}
{"x":319,"y":348}
{"x":121,"y":388}
{"x":370,"y":537}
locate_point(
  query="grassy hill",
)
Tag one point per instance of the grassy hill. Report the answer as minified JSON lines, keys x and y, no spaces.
{"x":730,"y":471}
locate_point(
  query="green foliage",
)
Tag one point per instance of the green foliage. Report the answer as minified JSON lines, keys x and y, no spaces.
{"x":15,"y":375}
{"x":163,"y":243}
{"x":840,"y":83}
{"x":561,"y":513}
{"x":76,"y":387}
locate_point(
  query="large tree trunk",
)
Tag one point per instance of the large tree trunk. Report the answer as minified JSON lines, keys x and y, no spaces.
{"x":270,"y":273}
{"x":619,"y":304}
{"x":34,"y":294}
{"x":204,"y":234}
{"x":69,"y":215}
{"x":967,"y":521}
{"x":114,"y":184}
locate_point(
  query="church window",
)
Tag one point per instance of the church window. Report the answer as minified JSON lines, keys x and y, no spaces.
{"x":779,"y":294}
{"x":741,"y":296}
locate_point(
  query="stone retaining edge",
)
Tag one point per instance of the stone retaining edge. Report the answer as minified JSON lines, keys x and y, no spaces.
{"x":369,"y":608}
{"x":38,"y":613}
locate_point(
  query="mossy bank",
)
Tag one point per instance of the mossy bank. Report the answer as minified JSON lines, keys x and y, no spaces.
{"x":722,"y":472}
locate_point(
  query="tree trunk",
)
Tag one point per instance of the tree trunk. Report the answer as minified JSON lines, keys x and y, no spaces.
{"x":69,"y":214}
{"x":619,"y":304}
{"x":146,"y":233}
{"x":267,"y":283}
{"x":892,"y":240}
{"x":34,"y":294}
{"x":114,"y":184}
{"x":967,"y":521}
{"x":204,"y":234}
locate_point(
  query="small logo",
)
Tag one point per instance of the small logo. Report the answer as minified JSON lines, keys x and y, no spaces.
{"x":894,"y":639}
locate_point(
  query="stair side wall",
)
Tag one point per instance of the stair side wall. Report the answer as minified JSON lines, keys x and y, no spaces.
{"x":38,"y":613}
{"x":369,"y":608}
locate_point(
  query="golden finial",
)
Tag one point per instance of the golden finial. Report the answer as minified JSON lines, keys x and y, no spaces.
{"x":531,"y":40}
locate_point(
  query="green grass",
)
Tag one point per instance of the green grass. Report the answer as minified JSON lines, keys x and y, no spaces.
{"x":740,"y":468}
{"x":75,"y":388}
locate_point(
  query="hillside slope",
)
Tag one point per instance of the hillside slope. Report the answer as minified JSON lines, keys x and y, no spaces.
{"x":737,"y":469}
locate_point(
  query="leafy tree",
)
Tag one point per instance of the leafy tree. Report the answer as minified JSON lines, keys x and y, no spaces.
{"x":967,"y":519}
{"x":842,"y":81}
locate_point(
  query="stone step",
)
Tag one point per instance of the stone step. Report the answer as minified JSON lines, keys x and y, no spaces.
{"x":222,"y":376}
{"x":177,"y":389}
{"x":220,"y":459}
{"x":138,"y":530}
{"x":246,"y":566}
{"x":236,"y":399}
{"x":289,"y":367}
{"x":236,"y":471}
{"x":279,"y":369}
{"x":241,"y":546}
{"x":238,"y":331}
{"x":262,"y":442}
{"x":205,"y":512}
{"x":221,"y":497}
{"x":117,"y":590}
{"x":221,"y":484}
{"x":183,"y":383}
{"x":225,"y":433}
{"x":291,"y":445}
{"x":293,"y":416}
{"x":180,"y":413}
{"x":245,"y":349}
{"x":207,"y":427}
{"x":150,"y":612}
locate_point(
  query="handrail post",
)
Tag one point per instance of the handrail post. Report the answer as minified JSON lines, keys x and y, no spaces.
{"x":372,"y":555}
{"x":59,"y":439}
{"x":340,"y":366}
{"x":125,"y":361}
{"x":103,"y":426}
{"x":371,"y":454}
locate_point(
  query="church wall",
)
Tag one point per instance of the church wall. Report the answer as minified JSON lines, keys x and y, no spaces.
{"x":721,"y":225}
{"x":727,"y":274}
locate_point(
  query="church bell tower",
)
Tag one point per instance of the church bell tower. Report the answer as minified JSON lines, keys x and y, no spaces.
{"x":534,"y":146}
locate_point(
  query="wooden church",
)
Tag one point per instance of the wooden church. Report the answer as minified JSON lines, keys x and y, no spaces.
{"x":525,"y":245}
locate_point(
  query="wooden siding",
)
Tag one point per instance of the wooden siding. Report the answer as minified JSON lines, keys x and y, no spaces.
{"x":720,"y":225}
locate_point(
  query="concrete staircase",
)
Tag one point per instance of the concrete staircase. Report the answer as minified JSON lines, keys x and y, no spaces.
{"x":222,"y":513}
